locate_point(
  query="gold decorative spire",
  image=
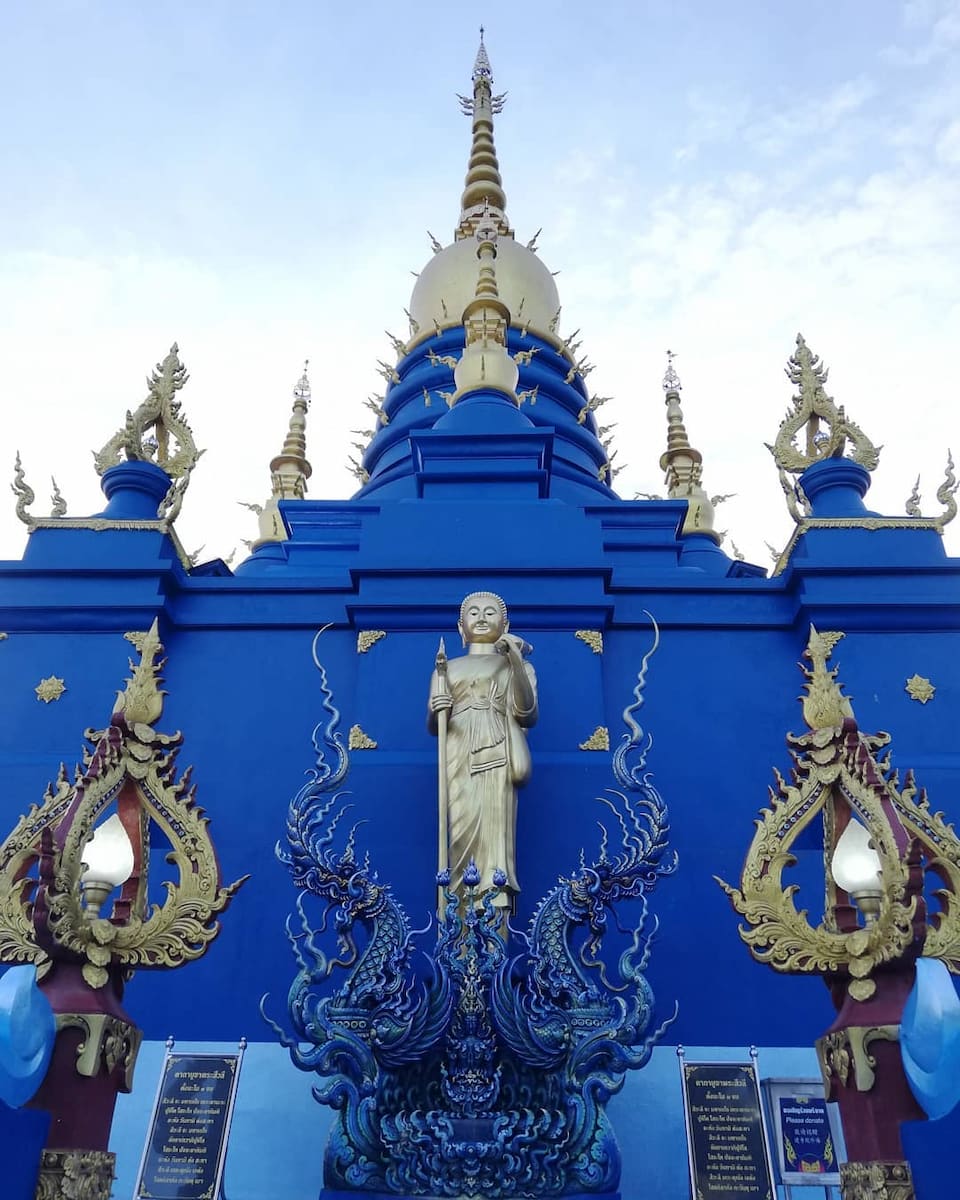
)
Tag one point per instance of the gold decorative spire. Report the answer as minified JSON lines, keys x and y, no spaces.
{"x":483,"y":197}
{"x":485,"y":362}
{"x":290,"y":470}
{"x":811,"y":406}
{"x":682,"y":464}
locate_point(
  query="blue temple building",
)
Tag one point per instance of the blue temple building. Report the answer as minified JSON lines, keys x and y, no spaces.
{"x":486,"y":467}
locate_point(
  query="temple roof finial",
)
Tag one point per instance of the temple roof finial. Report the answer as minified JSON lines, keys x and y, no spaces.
{"x":158,"y":432}
{"x":682,"y":464}
{"x":290,"y":470}
{"x":811,"y":406}
{"x":483,"y":192}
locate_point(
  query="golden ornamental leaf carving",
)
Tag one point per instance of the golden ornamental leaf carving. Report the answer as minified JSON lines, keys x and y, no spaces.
{"x":131,"y":767}
{"x":833,"y":765}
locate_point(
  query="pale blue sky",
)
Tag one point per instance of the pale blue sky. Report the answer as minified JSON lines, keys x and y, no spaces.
{"x":256,"y":180}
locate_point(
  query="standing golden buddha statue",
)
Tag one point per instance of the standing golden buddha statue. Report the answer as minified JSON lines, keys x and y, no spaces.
{"x":480,"y":706}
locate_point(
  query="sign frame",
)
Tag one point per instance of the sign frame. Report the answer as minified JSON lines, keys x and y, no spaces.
{"x":171,"y":1058}
{"x":775,"y":1089}
{"x":750,"y":1070}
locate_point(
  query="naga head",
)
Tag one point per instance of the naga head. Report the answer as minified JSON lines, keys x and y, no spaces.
{"x":332,"y":874}
{"x":626,"y":875}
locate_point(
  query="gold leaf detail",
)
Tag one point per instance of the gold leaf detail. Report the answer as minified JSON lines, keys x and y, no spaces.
{"x":51,"y":688}
{"x":369,"y":637}
{"x":862,"y":989}
{"x":598,"y":740}
{"x":358,"y":740}
{"x":591,"y":637}
{"x":918,"y":687}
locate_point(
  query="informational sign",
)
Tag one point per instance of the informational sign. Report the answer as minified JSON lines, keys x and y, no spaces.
{"x":806,"y":1133}
{"x":726,"y":1138}
{"x":187,"y":1144}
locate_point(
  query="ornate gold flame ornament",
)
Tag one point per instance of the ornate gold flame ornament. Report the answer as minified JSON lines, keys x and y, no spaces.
{"x":811,"y":407}
{"x":131,"y":766}
{"x":147,"y":433}
{"x":869,"y":965}
{"x":57,"y":869}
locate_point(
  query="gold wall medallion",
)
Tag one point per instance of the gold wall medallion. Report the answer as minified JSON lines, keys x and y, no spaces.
{"x":358,"y":740}
{"x":369,"y":637}
{"x":918,"y":687}
{"x":592,"y":637}
{"x":598,"y":740}
{"x":50,"y":688}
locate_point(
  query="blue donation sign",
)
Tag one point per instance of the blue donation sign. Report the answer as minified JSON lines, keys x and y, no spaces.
{"x":186,"y":1147}
{"x":806,"y":1137}
{"x":726,"y":1140}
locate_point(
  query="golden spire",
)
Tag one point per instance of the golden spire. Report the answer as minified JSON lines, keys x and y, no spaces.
{"x":483,"y":196}
{"x":290,"y":470}
{"x":683,"y":464}
{"x":485,"y":362}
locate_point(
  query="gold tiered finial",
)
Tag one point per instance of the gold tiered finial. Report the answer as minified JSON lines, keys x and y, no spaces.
{"x":485,"y":362}
{"x":682,"y":464}
{"x":811,"y":406}
{"x":290,"y":470}
{"x":483,"y":197}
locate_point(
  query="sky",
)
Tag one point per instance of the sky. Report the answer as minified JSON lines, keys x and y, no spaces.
{"x":255,"y":182}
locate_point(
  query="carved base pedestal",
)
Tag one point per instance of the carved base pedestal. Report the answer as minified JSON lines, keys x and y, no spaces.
{"x":77,"y":1175}
{"x":876,"y":1181}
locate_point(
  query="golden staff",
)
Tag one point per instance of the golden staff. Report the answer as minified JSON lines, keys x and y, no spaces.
{"x":443,"y":854}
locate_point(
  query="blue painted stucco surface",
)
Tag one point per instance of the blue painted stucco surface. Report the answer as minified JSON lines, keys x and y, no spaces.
{"x":485,"y":495}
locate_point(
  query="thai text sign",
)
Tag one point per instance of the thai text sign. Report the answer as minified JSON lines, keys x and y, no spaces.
{"x":726,"y":1141}
{"x":187,"y":1143}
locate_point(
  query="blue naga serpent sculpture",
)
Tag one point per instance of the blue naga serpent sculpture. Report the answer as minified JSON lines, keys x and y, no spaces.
{"x":471,"y":1070}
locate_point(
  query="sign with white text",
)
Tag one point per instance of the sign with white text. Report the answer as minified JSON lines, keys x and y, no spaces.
{"x":726,"y":1139}
{"x":187,"y":1143}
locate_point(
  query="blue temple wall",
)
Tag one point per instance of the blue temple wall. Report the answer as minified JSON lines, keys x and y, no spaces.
{"x":719,"y":697}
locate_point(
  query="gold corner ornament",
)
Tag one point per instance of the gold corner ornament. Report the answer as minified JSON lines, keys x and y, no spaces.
{"x":130,"y":769}
{"x":367,"y":638}
{"x":592,"y":638}
{"x":598,"y":740}
{"x":51,"y":688}
{"x":157,"y":432}
{"x":811,"y":407}
{"x":918,"y":687}
{"x":358,"y":740}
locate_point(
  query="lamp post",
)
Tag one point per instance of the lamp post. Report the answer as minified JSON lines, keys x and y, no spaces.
{"x":880,"y":837}
{"x":58,"y":869}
